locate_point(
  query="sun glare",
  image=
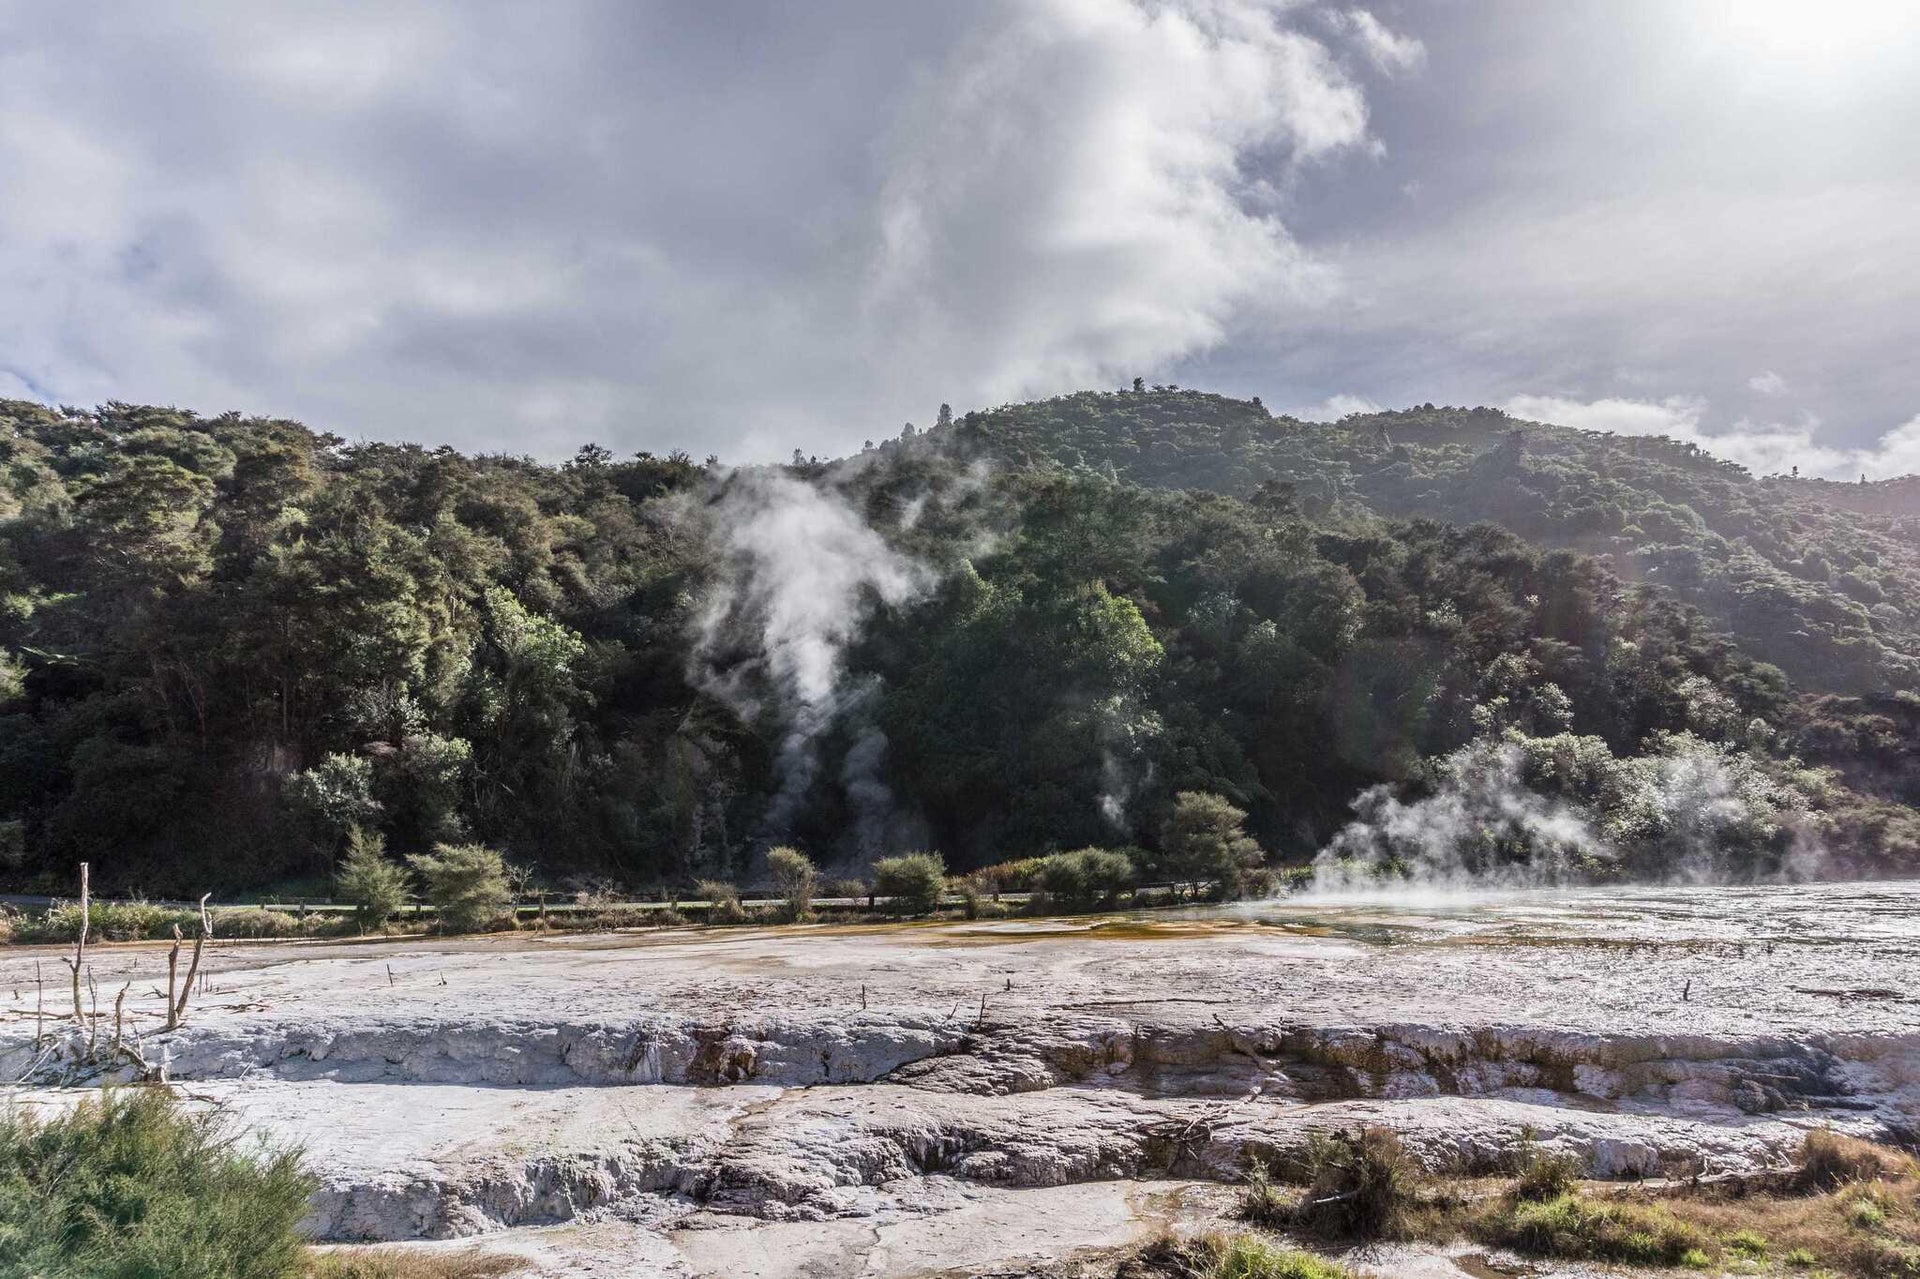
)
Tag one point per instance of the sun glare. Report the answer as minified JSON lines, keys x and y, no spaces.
{"x":1810,"y":30}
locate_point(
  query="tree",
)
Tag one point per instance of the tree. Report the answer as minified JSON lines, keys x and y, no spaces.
{"x":465,"y":883}
{"x":794,"y":878}
{"x":377,"y":887}
{"x":334,"y":797}
{"x":913,"y":882}
{"x":1205,"y":838}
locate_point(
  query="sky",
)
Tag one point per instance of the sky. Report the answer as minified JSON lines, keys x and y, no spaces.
{"x":747,"y":227}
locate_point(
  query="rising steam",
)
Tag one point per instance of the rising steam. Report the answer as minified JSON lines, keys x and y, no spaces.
{"x":1534,"y":812}
{"x":800,"y":571}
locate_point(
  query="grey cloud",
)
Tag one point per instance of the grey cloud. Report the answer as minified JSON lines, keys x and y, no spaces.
{"x":719,"y":229}
{"x":744,"y":228}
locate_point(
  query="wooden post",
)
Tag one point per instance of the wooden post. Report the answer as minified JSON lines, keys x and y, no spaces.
{"x":39,"y":1006}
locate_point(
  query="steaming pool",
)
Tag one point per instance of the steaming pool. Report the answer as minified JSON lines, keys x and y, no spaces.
{"x":978,"y":1097}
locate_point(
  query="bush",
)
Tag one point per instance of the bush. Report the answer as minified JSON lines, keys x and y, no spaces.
{"x":1085,"y":878}
{"x":377,"y":887}
{"x":255,"y":922}
{"x":1361,"y":1187}
{"x":794,"y":879}
{"x":723,"y":901}
{"x":132,"y":1186}
{"x":912,"y":883}
{"x":107,"y":921}
{"x":847,"y":888}
{"x":1013,"y":877}
{"x":465,"y":883}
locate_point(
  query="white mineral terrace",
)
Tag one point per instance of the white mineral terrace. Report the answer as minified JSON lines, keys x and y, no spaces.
{"x":979,"y":1098}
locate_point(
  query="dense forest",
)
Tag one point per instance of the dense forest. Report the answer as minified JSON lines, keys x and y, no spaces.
{"x":1436,"y":637}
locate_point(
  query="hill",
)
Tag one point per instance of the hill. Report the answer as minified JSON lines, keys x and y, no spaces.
{"x":225,"y":643}
{"x":1822,"y":579}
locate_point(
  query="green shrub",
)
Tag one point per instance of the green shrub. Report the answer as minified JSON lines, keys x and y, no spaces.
{"x":377,"y":887}
{"x":1085,"y":878}
{"x":466,"y":884}
{"x":107,"y":921}
{"x":1576,"y":1228}
{"x":794,"y":879}
{"x":912,"y":883}
{"x":723,"y":901}
{"x":130,"y":1185}
{"x":1013,"y":877}
{"x":254,"y":922}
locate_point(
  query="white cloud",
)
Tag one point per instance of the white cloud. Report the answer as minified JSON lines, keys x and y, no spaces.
{"x":1065,"y":203}
{"x":1335,"y":407}
{"x":1768,"y":383}
{"x":1763,"y":448}
{"x":1389,"y":51}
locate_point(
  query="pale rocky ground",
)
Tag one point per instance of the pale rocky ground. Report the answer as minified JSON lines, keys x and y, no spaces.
{"x":839,"y":1100}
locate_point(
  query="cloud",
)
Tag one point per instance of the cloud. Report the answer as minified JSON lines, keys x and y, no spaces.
{"x":1390,"y":52}
{"x":1763,"y":448}
{"x":1768,"y":383}
{"x":468,"y":222}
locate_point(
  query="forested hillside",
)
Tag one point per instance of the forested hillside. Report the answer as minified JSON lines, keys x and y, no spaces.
{"x":228,"y":642}
{"x":1820,"y":578}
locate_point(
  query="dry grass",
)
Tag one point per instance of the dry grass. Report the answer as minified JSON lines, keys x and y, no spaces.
{"x":408,"y":1263}
{"x":1852,"y":1209}
{"x":1362,"y":1186}
{"x":1227,"y":1256}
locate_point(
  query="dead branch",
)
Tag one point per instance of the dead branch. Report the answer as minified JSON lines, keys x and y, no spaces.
{"x":193,"y":968}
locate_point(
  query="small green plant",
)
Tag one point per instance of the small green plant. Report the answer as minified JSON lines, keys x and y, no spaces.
{"x":1747,"y":1243}
{"x":794,"y":879}
{"x":129,"y":1185}
{"x":376,"y":887}
{"x":465,"y":883}
{"x":1543,"y":1175}
{"x":1262,"y":1202}
{"x":912,"y":883}
{"x":1866,"y":1213}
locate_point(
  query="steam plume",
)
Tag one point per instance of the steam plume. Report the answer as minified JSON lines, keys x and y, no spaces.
{"x":800,"y":572}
